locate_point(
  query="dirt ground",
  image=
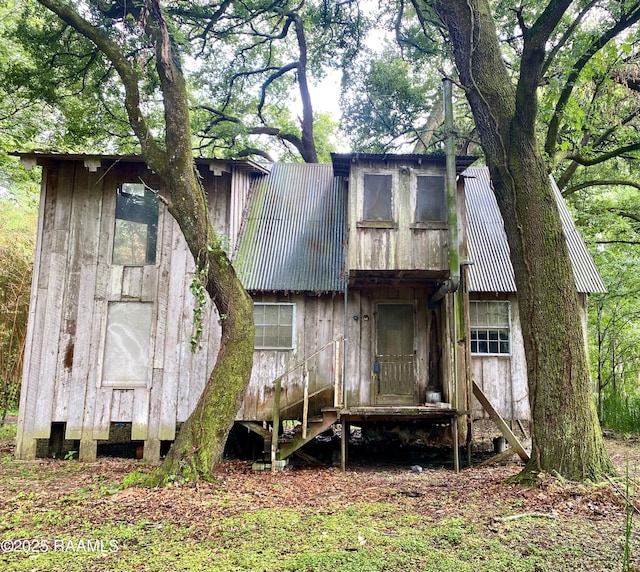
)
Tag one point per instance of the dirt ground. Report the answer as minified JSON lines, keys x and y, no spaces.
{"x":439,"y":492}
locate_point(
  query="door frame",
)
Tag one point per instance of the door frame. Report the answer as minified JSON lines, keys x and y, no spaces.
{"x":376,"y":396}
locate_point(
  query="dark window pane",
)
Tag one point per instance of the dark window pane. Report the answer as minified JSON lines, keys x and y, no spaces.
{"x":136,"y":230}
{"x":430,"y":199}
{"x":377,"y":197}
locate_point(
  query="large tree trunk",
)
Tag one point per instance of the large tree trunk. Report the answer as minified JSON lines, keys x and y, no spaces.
{"x":566,"y":434}
{"x":201,"y":441}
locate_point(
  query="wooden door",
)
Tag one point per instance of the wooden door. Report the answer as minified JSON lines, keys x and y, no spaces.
{"x":394,"y":368}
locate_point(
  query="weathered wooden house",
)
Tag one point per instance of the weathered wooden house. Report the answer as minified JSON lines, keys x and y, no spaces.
{"x":381,"y":293}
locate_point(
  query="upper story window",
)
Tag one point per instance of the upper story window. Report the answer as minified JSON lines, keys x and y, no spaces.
{"x":431,"y":204}
{"x":377,"y":198}
{"x":136,"y":231}
{"x":490,"y":327}
{"x":274,"y":323}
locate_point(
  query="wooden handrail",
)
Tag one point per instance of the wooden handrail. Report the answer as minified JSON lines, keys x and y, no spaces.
{"x":305,"y":398}
{"x":314,"y":354}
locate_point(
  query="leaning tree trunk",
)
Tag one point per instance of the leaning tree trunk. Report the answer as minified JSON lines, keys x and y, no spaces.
{"x":566,"y":437}
{"x":200,"y":442}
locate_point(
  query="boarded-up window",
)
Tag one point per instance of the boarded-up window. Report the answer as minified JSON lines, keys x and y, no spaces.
{"x":136,"y":233}
{"x":431,"y":202}
{"x":127,"y":346}
{"x":490,"y":327}
{"x":274,"y":325}
{"x":377,"y":197}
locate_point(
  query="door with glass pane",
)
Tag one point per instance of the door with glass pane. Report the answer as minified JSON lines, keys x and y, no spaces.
{"x":395,"y":362}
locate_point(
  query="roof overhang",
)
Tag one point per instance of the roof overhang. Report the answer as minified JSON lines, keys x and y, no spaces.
{"x":92,"y":161}
{"x":342,"y":161}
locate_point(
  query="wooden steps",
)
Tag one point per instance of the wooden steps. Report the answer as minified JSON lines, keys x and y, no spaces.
{"x":316,"y":426}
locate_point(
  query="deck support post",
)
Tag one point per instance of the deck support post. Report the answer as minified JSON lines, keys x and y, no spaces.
{"x":88,"y":450}
{"x":344,"y":439}
{"x":456,"y":447}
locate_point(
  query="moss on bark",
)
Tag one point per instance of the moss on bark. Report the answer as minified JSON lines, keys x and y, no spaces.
{"x":566,"y":435}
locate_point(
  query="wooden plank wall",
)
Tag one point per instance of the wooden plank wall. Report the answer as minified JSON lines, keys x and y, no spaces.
{"x":403,"y":247}
{"x":359,"y":358}
{"x":74,"y":283}
{"x":320,"y":319}
{"x":503,"y":379}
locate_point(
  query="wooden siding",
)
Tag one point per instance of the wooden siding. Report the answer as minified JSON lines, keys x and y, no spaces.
{"x":503,"y":379}
{"x":361,"y":335}
{"x":319,"y":321}
{"x":74,"y":281}
{"x":399,"y":244}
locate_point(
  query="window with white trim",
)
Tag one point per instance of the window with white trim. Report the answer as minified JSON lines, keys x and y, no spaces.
{"x":274,"y":325}
{"x":490,"y":327}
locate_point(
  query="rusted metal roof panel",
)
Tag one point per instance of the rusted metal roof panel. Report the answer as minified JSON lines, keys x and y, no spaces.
{"x":293,"y":233}
{"x":488,"y":249}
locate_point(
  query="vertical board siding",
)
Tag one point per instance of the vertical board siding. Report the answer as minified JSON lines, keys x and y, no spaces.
{"x":87,"y":249}
{"x":402,"y":247}
{"x":122,"y":405}
{"x":315,"y":327}
{"x":25,"y":442}
{"x":503,"y":379}
{"x":171,"y":365}
{"x":185,"y":355}
{"x":102,"y":415}
{"x":54,"y":310}
{"x":74,"y":280}
{"x":140,"y":414}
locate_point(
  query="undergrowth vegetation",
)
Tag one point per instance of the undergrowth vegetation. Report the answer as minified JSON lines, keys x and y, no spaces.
{"x":72,"y":516}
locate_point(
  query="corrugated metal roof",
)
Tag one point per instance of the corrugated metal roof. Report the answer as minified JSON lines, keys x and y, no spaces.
{"x":491,"y":270}
{"x":293,"y":234}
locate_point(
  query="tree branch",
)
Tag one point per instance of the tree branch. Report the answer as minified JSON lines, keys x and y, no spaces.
{"x":600,"y":182}
{"x":533,"y":55}
{"x":585,"y":162}
{"x":127,"y":74}
{"x":596,"y":45}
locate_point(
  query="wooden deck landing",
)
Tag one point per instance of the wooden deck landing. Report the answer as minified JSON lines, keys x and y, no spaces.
{"x":393,"y":412}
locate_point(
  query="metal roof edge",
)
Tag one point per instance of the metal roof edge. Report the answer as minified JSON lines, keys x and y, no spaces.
{"x":342,"y":161}
{"x":246,"y":164}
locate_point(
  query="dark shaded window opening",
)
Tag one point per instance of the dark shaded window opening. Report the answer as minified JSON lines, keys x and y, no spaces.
{"x":377,"y":197}
{"x":136,"y":232}
{"x":431,"y":204}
